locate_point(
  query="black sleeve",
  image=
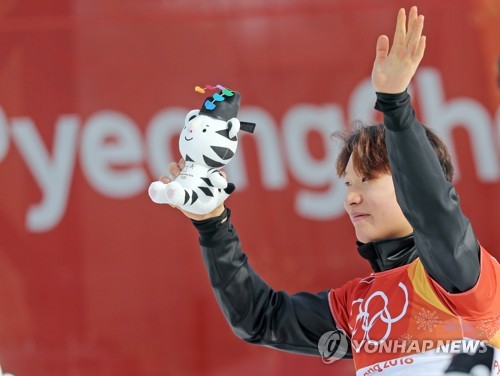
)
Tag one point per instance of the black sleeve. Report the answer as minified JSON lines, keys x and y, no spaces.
{"x":444,"y":239}
{"x":255,"y":312}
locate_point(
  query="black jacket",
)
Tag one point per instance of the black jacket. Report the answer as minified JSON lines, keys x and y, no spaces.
{"x":295,"y":322}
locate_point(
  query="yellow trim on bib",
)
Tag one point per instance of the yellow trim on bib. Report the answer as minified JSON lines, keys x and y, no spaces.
{"x":422,"y":287}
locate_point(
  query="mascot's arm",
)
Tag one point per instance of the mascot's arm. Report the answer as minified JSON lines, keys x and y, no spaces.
{"x":217,"y":179}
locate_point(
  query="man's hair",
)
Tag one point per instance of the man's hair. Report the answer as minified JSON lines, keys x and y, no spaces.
{"x":366,"y":144}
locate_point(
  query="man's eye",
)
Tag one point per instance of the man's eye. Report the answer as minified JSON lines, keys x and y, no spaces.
{"x":365,"y":179}
{"x":347,"y":183}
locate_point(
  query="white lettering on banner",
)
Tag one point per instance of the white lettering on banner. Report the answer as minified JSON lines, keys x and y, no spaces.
{"x":297,"y":123}
{"x":362,"y":102}
{"x":53,"y":175}
{"x":98,"y":157}
{"x":443,"y":116}
{"x":112,"y":153}
{"x":4,"y":135}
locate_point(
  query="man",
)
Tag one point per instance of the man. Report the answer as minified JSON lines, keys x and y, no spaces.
{"x":433,"y":285}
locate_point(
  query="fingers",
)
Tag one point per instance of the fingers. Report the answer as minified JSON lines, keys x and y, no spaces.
{"x":419,"y":53}
{"x":382,"y":48}
{"x":400,"y":33}
{"x":165,"y":179}
{"x":412,"y":21}
{"x":175,"y":168}
{"x":182,"y":164}
{"x":414,"y":40}
{"x":408,"y":40}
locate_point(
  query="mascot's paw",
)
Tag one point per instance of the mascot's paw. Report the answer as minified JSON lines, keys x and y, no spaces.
{"x":175,"y":193}
{"x":171,"y":193}
{"x":157,"y":192}
{"x":218,"y":180}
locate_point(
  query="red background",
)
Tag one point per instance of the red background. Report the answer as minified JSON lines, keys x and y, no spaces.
{"x":116,"y":285}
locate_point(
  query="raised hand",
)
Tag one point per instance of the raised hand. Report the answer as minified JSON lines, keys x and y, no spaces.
{"x":394,"y":69}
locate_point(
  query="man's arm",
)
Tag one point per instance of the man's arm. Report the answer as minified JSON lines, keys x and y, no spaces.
{"x":256,"y":312}
{"x":445,"y":242}
{"x":444,"y":238}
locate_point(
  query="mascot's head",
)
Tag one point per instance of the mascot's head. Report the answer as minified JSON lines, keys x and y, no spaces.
{"x":209,"y":136}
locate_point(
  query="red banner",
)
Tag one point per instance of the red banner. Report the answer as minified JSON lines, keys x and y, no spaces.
{"x":95,"y":278}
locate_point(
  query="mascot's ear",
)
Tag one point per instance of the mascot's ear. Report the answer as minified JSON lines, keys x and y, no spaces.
{"x":233,"y":126}
{"x":191,"y":115}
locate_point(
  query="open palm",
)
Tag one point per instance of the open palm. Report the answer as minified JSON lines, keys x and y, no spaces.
{"x":394,"y":69}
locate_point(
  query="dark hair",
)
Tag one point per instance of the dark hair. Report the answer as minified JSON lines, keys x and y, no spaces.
{"x":366,"y":144}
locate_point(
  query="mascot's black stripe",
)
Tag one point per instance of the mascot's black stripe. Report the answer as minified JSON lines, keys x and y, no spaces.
{"x":195,"y":197}
{"x":207,"y":181}
{"x":223,"y":153}
{"x":211,"y":163}
{"x":225,"y":133}
{"x":207,"y":191}
{"x":188,"y":158}
{"x":186,"y":197}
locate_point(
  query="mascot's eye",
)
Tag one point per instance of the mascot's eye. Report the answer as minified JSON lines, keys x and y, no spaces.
{"x":204,"y":130}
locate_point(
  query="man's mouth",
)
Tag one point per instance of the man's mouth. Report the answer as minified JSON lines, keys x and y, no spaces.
{"x":358,"y":217}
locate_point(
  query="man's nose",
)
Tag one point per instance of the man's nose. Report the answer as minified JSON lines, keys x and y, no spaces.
{"x":353,"y":198}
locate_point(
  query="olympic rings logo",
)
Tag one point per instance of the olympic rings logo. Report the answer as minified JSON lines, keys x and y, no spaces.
{"x":366,"y":320}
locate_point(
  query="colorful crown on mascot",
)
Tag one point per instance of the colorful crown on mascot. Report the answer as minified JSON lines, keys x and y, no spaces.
{"x":208,"y":142}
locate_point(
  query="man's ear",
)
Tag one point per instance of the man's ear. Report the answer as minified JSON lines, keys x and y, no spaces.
{"x":191,"y":115}
{"x":233,"y":125}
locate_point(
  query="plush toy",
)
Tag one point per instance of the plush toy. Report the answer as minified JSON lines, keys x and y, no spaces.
{"x":207,"y":143}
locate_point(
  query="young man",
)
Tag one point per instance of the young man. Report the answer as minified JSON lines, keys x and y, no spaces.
{"x":432,"y":281}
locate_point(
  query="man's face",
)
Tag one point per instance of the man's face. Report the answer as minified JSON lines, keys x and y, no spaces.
{"x":372,"y":206}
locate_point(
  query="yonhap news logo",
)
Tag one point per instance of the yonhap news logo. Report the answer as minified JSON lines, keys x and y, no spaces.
{"x":332,"y":346}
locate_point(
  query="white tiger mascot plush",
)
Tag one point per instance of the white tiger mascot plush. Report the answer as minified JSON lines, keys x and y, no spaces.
{"x":207,"y":143}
